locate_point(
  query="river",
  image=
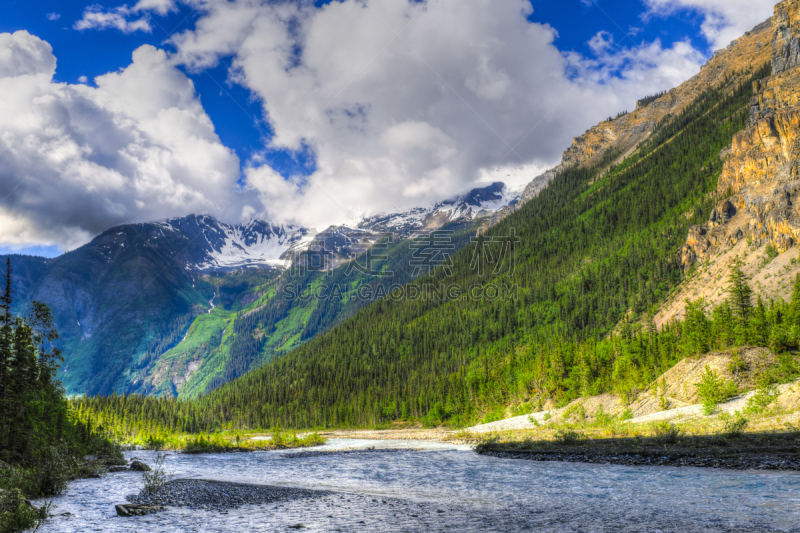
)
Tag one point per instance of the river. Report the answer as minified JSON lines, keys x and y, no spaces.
{"x":445,"y":488}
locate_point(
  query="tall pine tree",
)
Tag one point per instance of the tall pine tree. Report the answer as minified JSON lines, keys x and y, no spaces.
{"x":6,"y":334}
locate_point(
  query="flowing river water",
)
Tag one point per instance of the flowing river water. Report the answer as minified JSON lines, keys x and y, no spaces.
{"x":437,"y":487}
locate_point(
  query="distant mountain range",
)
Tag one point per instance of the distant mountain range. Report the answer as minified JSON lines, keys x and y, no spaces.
{"x":148,"y":307}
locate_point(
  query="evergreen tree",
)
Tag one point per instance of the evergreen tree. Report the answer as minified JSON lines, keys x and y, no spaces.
{"x":740,"y":294}
{"x":5,"y":353}
{"x":794,"y":307}
{"x":697,"y":330}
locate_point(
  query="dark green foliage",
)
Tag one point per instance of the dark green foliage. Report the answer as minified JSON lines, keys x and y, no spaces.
{"x":647,"y":100}
{"x":118,"y":302}
{"x":15,"y":513}
{"x":39,"y":439}
{"x":261,"y":335}
{"x":741,"y":295}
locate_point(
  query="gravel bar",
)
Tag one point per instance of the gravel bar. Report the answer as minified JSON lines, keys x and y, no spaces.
{"x":220,"y":495}
{"x":301,"y":455}
{"x":732,"y":462}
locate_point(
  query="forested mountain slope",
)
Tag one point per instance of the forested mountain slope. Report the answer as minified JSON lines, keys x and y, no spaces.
{"x":259,"y":318}
{"x":598,"y":252}
{"x":593,"y":249}
{"x":596,"y":248}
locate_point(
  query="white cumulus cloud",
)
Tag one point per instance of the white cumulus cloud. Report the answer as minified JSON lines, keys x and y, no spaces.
{"x":78,"y":159}
{"x":404,"y":102}
{"x":724,"y":20}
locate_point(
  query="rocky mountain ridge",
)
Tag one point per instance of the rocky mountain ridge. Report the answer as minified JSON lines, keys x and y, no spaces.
{"x":760,"y":177}
{"x":757,"y":218}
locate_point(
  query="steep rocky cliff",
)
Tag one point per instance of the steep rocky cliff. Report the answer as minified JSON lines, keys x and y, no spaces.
{"x":757,"y":217}
{"x":625,"y":132}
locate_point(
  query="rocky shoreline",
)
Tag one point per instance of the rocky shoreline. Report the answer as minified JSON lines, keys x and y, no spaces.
{"x":301,"y":455}
{"x":732,"y":462}
{"x":218,"y":495}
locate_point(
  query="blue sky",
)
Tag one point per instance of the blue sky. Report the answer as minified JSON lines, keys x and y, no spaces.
{"x":278,"y":169}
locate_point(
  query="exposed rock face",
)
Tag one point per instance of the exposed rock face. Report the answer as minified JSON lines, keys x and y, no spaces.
{"x":786,"y":47}
{"x":761,"y":186}
{"x":626,"y":132}
{"x":761,"y":171}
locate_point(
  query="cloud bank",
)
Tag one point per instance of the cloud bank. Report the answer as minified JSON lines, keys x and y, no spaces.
{"x":405,"y":102}
{"x":401,"y":103}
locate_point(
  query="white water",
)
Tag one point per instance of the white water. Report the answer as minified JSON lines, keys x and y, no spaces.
{"x":448,"y":488}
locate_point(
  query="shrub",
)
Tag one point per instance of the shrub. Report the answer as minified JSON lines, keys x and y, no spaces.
{"x":313,"y":440}
{"x":663,"y":403}
{"x":15,"y":513}
{"x":157,"y":476}
{"x":667,"y":431}
{"x":737,"y":365}
{"x":713,"y":389}
{"x":54,"y":470}
{"x":568,"y":437}
{"x":764,"y":396}
{"x":277,"y":437}
{"x":206,"y":444}
{"x":154,"y":443}
{"x":734,"y":427}
{"x":491,"y":416}
{"x":771,"y":252}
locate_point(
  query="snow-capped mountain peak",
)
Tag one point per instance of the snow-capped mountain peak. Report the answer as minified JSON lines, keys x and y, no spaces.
{"x":478,"y":203}
{"x":227,"y":247}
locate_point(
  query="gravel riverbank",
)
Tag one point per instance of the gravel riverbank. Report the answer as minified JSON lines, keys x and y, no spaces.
{"x":220,"y":495}
{"x":733,"y":462}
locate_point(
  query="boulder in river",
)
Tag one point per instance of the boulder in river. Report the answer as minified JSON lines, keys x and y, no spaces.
{"x":139,"y":466}
{"x":132,"y":509}
{"x":113,"y":469}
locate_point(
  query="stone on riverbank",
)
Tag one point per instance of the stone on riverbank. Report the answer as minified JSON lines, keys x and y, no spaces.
{"x":138,"y":466}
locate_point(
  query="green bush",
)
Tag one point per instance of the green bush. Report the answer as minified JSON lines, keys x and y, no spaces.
{"x":737,"y":364}
{"x":734,"y":427}
{"x":54,"y":470}
{"x":568,"y":437}
{"x":157,"y":476}
{"x":667,"y":431}
{"x":713,"y":389}
{"x":766,"y":394}
{"x":15,"y":513}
